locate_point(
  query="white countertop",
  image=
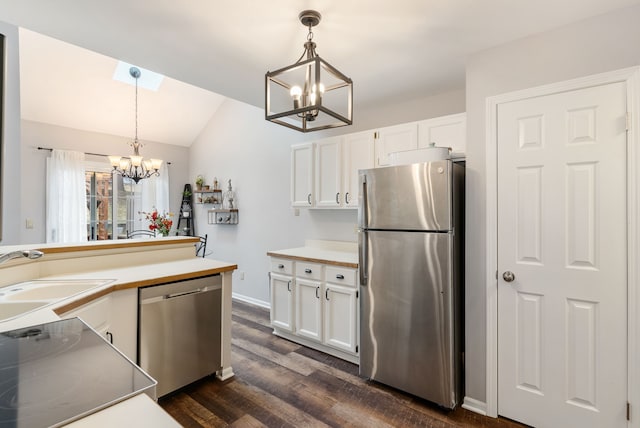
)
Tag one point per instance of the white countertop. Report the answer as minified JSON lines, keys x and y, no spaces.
{"x":328,"y":252}
{"x":128,"y":277}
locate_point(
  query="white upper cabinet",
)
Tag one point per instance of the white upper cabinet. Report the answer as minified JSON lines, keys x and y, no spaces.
{"x":357,"y":153}
{"x":446,"y":131}
{"x":396,"y":138}
{"x":302,"y":175}
{"x":328,"y":172}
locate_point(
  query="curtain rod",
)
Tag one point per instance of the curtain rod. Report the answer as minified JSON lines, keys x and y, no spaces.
{"x":87,"y":153}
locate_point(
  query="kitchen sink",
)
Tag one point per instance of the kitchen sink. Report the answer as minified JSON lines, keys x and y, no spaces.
{"x":18,"y":299}
{"x":48,"y":289}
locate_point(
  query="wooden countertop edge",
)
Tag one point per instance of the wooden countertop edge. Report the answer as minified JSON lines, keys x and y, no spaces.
{"x":69,"y":306}
{"x":115,"y":245}
{"x":314,"y":260}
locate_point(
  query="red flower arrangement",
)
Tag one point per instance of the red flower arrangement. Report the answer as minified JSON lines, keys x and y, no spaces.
{"x":160,"y":223}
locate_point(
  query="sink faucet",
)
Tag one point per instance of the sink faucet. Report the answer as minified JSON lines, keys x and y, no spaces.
{"x":29,"y":254}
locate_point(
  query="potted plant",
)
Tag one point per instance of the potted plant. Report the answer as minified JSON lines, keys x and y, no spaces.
{"x":199,"y":182}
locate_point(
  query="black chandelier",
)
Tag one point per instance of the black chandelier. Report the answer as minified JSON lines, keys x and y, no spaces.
{"x":135,"y":167}
{"x":310,"y":94}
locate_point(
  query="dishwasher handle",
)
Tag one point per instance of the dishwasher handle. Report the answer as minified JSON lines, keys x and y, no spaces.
{"x":185,"y":293}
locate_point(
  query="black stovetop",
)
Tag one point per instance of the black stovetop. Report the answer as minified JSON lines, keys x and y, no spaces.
{"x":54,"y":373}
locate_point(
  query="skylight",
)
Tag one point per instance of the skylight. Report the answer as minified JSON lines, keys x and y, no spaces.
{"x":148,"y":79}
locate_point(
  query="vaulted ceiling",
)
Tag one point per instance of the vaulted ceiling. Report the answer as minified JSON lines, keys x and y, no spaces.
{"x":391,"y":50}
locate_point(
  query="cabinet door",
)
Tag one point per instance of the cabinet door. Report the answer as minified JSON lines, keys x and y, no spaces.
{"x":96,"y":314}
{"x":340,"y":317}
{"x":328,"y":172}
{"x":357,"y":153}
{"x":395,"y":139}
{"x":282,"y":302}
{"x":124,"y":321}
{"x":302,"y":175}
{"x":308,"y":309}
{"x":447,"y":131}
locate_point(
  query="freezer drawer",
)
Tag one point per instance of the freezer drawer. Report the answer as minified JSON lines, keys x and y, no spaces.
{"x":407,"y":314}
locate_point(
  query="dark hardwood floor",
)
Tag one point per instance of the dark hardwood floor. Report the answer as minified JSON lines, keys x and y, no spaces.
{"x":278,"y":383}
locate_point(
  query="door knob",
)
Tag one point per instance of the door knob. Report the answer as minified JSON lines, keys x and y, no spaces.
{"x":508,"y":276}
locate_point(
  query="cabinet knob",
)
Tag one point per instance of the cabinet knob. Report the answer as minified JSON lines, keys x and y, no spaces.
{"x":346,"y":198}
{"x":309,"y":198}
{"x":280,"y":266}
{"x":339,"y":276}
{"x":326,"y":294}
{"x":307,"y":270}
{"x":317,"y":291}
{"x":338,"y":198}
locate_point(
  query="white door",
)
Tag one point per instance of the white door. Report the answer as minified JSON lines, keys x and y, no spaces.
{"x":308,"y":309}
{"x":302,"y":175}
{"x":281,"y":302}
{"x":357,"y":153}
{"x":340,"y":317}
{"x":328,"y":172}
{"x":562,"y":322}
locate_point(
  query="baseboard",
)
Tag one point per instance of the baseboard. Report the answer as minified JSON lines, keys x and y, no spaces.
{"x":251,"y":300}
{"x":474,"y":405}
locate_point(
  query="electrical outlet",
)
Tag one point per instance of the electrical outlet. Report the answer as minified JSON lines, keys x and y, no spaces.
{"x":241,"y":276}
{"x":29,"y":223}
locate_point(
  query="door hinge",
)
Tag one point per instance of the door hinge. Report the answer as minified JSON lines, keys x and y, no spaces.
{"x":628,"y":411}
{"x":357,"y":294}
{"x":356,"y":348}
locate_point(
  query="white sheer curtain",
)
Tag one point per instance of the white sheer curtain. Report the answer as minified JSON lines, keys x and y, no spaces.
{"x":66,"y":219}
{"x":152,"y":193}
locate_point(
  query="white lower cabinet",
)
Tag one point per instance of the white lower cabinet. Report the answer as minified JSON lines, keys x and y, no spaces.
{"x":115,"y":317}
{"x":323,"y":302}
{"x":281,"y":301}
{"x":340,"y":320}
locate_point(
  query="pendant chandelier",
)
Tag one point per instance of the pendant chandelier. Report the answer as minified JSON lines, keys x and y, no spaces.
{"x":310,"y":94}
{"x":135,"y":167}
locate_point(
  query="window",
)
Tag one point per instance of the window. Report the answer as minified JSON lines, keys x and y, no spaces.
{"x":109,"y":197}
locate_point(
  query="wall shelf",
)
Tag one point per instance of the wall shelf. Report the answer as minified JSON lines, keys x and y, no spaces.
{"x":211,"y":196}
{"x":223,"y":216}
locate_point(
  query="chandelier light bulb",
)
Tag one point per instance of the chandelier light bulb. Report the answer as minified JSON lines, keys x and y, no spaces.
{"x":115,"y":161}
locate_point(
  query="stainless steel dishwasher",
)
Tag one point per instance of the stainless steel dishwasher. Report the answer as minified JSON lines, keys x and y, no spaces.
{"x":179,"y":340}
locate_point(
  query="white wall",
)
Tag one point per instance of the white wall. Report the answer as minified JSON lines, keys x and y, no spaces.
{"x":32,"y":183}
{"x":240,"y":144}
{"x":9,"y":158}
{"x":596,"y":45}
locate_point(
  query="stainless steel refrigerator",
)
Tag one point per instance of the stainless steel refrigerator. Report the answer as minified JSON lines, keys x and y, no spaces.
{"x":411,"y":235}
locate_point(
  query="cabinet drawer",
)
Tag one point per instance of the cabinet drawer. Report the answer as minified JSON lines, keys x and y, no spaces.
{"x":341,"y":275}
{"x":309,"y":270}
{"x":282,"y":266}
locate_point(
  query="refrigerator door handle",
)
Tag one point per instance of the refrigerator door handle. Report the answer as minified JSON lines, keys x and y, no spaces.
{"x":362,"y":210}
{"x":362,"y":256}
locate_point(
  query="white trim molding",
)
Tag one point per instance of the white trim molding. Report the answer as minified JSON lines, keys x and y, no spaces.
{"x":631,"y":77}
{"x":251,"y":300}
{"x":474,"y":405}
